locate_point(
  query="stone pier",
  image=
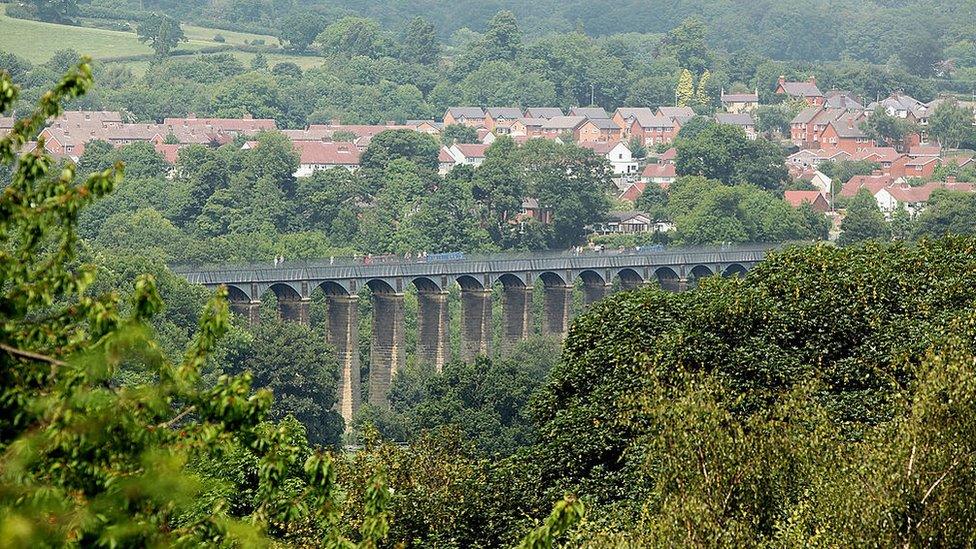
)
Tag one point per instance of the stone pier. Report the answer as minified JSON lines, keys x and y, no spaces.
{"x":476,"y":325}
{"x":294,"y":310}
{"x":432,"y":328}
{"x":343,"y":335}
{"x":516,"y":314}
{"x":387,"y":353}
{"x":595,"y":291}
{"x":558,"y":301}
{"x":250,"y":310}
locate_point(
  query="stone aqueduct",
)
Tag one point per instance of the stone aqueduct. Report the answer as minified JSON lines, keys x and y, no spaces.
{"x":292,"y":283}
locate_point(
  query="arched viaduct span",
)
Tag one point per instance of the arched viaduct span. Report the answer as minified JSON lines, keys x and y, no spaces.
{"x":292,"y":283}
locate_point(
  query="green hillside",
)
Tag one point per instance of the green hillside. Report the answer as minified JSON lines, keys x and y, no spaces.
{"x":25,"y":39}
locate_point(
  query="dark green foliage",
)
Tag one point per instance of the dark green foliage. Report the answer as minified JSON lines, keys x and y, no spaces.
{"x":863,"y":220}
{"x":458,"y":133}
{"x":296,"y":365}
{"x":487,"y":400}
{"x":162,"y":32}
{"x":764,"y":380}
{"x":300,"y":30}
{"x":723,"y":152}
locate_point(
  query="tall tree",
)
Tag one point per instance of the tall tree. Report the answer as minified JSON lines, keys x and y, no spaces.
{"x":503,"y":39}
{"x":863,"y":220}
{"x":885,"y":128}
{"x":701,"y":94}
{"x":162,"y":32}
{"x":55,"y":11}
{"x":952,"y":124}
{"x":419,"y":43}
{"x":299,"y":30}
{"x":294,"y":363}
{"x":685,"y":93}
{"x":687,"y":43}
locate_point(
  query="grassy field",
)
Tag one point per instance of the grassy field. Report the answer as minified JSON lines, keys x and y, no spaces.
{"x":37,"y":41}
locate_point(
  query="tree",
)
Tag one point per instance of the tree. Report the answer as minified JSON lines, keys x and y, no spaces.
{"x":352,"y":36}
{"x":952,"y":124}
{"x":55,"y":11}
{"x":687,"y":43}
{"x":744,"y":214}
{"x":723,"y":152}
{"x":947,"y":213}
{"x":920,"y":53}
{"x":636,"y":146}
{"x":885,"y":128}
{"x":299,"y":30}
{"x":446,"y":221}
{"x":162,"y":32}
{"x":120,"y":451}
{"x":502,"y":39}
{"x":685,"y":93}
{"x":458,"y":133}
{"x":300,"y":369}
{"x":701,"y":95}
{"x":570,"y":181}
{"x":390,"y":145}
{"x":419,"y":43}
{"x":863,"y":220}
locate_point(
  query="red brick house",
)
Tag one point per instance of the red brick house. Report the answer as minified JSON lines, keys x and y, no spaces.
{"x":845,"y":134}
{"x":807,"y":91}
{"x":473,"y":117}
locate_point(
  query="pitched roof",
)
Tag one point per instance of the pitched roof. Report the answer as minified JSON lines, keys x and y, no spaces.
{"x":633,"y":192}
{"x":444,"y":157}
{"x":472,"y":150}
{"x":621,"y":217}
{"x":564,"y":122}
{"x":739,"y":97}
{"x":533,"y":122}
{"x":655,"y":121}
{"x":510,"y":113}
{"x":243,"y":125}
{"x":466,"y":112}
{"x":735,"y":119}
{"x":848,"y":128}
{"x":328,"y":153}
{"x":806,"y":115}
{"x":169,"y":151}
{"x":659,"y":171}
{"x":922,"y":193}
{"x":603,"y":123}
{"x":589,"y":112}
{"x":634,"y":113}
{"x":837,"y":99}
{"x":796,"y":198}
{"x":602,"y":147}
{"x":676,"y":112}
{"x":543,"y":112}
{"x":877,"y":154}
{"x":668,"y":155}
{"x":873,"y":183}
{"x":802,"y":89}
{"x":925,"y":150}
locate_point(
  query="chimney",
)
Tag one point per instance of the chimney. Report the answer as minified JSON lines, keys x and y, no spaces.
{"x":876,"y":172}
{"x":782,"y":79}
{"x":950,"y":179}
{"x":813,"y":80}
{"x":247,"y":116}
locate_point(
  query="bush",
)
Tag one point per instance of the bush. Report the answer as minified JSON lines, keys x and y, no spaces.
{"x":219,"y":38}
